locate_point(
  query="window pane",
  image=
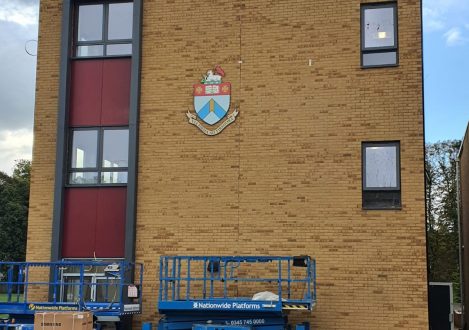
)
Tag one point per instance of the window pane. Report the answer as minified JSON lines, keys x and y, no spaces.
{"x":119,"y":49}
{"x":381,"y":167}
{"x":90,"y":22}
{"x":107,"y":290}
{"x":71,"y":289}
{"x":84,"y":149}
{"x":84,"y":178}
{"x":120,"y":21}
{"x":115,"y":148}
{"x":387,"y":58}
{"x":381,"y":199}
{"x":95,"y":50}
{"x":379,"y":27}
{"x":114,"y":177}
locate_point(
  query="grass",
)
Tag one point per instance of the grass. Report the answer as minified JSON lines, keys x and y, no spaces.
{"x":4,"y":297}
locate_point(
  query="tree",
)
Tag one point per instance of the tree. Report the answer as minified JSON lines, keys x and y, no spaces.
{"x":442,"y":214}
{"x":14,"y":203}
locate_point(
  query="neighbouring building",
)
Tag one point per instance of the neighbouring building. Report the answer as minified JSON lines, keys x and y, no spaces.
{"x":306,"y":137}
{"x":463,"y":180}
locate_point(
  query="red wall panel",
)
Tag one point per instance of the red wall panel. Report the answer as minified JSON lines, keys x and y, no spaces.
{"x":116,"y":92}
{"x":79,"y":225}
{"x":86,"y":92}
{"x":94,"y":222}
{"x":100,"y":92}
{"x":110,"y":224}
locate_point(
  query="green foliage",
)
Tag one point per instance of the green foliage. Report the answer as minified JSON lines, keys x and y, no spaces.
{"x":14,"y":203}
{"x":442,"y":212}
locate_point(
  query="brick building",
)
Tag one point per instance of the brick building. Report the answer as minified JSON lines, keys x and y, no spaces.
{"x":463,"y":177}
{"x":325,"y":157}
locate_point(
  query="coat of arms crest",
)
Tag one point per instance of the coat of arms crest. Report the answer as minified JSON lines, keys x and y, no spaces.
{"x":212,"y":102}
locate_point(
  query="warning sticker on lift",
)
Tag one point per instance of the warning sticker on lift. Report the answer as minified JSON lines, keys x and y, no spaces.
{"x":132,"y":308}
{"x":226,"y":305}
{"x":46,"y":308}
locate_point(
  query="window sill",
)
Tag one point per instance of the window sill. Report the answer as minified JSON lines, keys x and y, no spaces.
{"x":95,"y":185}
{"x":396,"y":208}
{"x":379,"y":66}
{"x":74,"y":58}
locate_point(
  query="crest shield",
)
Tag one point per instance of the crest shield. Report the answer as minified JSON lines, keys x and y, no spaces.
{"x":212,"y":101}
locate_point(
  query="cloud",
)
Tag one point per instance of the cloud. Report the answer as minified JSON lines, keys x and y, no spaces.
{"x":454,"y":37}
{"x":433,"y":19}
{"x":446,"y":15}
{"x":14,"y":145}
{"x":17,"y":77}
{"x":18,"y":24}
{"x":21,"y":12}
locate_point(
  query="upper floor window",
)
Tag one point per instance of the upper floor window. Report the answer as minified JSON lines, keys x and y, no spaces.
{"x":104,"y":29}
{"x":381,"y":175}
{"x":99,"y":156}
{"x":379,"y":35}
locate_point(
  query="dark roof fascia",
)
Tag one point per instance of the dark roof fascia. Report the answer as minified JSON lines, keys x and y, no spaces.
{"x":466,"y":136}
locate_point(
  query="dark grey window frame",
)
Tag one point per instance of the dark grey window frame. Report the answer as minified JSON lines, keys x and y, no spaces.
{"x":376,"y":50}
{"x":383,"y":190}
{"x":99,"y":158}
{"x":104,"y":42}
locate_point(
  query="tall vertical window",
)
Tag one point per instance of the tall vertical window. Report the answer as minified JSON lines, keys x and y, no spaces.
{"x":99,"y":156}
{"x":104,"y":29}
{"x":381,"y":175}
{"x":379,"y":35}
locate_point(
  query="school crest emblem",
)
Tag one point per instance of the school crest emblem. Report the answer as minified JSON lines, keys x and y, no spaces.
{"x":212,"y":99}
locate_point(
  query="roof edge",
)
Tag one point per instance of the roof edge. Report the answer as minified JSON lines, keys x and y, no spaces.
{"x":466,"y":136}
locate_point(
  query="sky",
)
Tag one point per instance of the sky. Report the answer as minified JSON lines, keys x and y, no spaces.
{"x":446,"y":73}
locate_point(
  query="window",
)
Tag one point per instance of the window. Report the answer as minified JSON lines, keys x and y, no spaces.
{"x":98,"y":285}
{"x":379,"y":35}
{"x":99,"y":156}
{"x":381,"y":175}
{"x":104,"y":29}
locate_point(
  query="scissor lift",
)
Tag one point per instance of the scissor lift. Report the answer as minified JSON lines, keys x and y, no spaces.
{"x":219,"y":292}
{"x":103,"y":287}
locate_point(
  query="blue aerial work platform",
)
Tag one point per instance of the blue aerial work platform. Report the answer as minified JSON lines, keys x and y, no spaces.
{"x":110,"y":289}
{"x":234,"y":292}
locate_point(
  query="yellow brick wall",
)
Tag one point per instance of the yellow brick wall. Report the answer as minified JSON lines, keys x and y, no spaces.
{"x":285,"y":178}
{"x":45,"y":131}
